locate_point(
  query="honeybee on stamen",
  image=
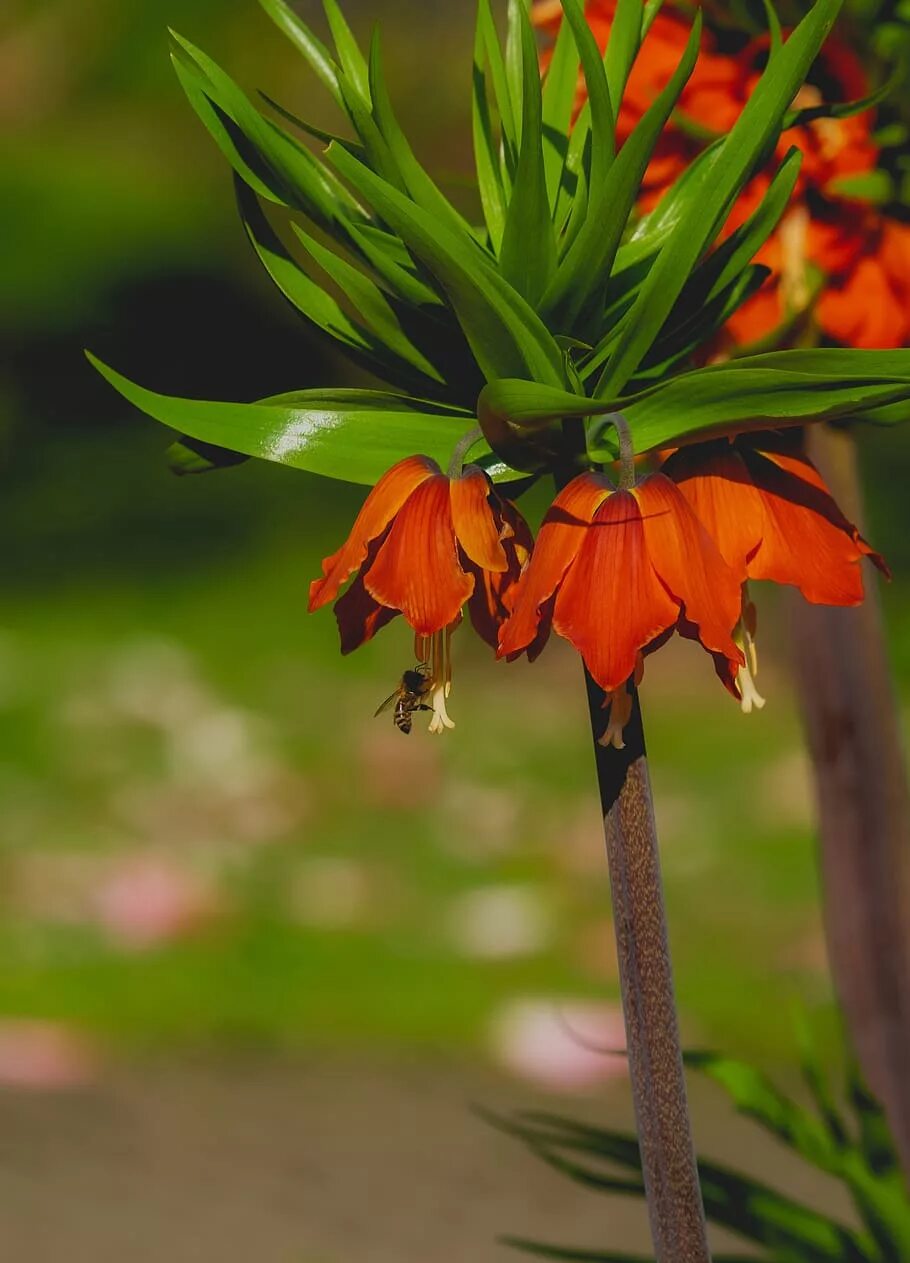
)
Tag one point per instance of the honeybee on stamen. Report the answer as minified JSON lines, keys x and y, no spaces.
{"x":413,"y":687}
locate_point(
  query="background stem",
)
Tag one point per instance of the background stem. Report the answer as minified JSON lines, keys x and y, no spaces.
{"x":652,"y":1033}
{"x":852,"y":722}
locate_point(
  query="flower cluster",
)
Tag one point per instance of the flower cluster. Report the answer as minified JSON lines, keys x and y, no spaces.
{"x":615,"y":569}
{"x":860,"y":255}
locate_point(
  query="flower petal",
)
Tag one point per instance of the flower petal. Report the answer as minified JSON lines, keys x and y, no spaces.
{"x":380,"y":506}
{"x":611,"y":603}
{"x":558,"y":541}
{"x":688,"y":562}
{"x":806,"y":540}
{"x":716,"y":483}
{"x":476,"y":526}
{"x":359,"y":616}
{"x":417,"y":569}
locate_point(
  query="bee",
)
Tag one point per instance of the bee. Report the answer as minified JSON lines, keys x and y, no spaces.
{"x":409,"y":696}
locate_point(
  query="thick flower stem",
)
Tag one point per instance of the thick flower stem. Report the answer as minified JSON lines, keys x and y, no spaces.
{"x":652,"y":1032}
{"x":852,"y":722}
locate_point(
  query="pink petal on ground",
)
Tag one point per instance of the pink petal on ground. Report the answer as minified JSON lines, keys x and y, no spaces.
{"x":560,"y":1045}
{"x":44,"y":1055}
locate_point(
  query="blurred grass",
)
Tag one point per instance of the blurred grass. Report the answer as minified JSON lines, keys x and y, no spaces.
{"x":163,"y":692}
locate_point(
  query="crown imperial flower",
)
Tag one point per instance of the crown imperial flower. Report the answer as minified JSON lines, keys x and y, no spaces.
{"x":613,"y":571}
{"x":772,"y":517}
{"x":424,"y":545}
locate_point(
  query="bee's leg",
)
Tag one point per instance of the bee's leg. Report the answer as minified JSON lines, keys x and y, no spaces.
{"x":423,"y":706}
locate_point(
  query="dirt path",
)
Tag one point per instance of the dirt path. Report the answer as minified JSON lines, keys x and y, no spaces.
{"x":315,"y":1162}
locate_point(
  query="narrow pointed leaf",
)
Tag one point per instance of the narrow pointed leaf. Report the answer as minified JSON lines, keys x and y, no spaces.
{"x":585,"y":269}
{"x":306,"y":42}
{"x":414,"y":178}
{"x":487,"y":27}
{"x":528,"y":253}
{"x":352,"y":59}
{"x":594,"y":130}
{"x":748,"y":140}
{"x":366,"y":297}
{"x":505,"y":334}
{"x":559,"y":92}
{"x":486,"y":157}
{"x":622,"y":46}
{"x":275,"y":166}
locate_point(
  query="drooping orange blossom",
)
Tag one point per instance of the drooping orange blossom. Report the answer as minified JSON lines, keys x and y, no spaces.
{"x":772,"y":517}
{"x":613,"y":572}
{"x":424,"y":545}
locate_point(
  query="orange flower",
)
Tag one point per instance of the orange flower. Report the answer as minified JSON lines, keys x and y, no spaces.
{"x":612,"y":572}
{"x":865,"y":257}
{"x":425,"y":545}
{"x":772,"y":517}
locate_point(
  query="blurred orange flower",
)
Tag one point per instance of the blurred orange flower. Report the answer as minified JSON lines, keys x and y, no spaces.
{"x":862,"y":255}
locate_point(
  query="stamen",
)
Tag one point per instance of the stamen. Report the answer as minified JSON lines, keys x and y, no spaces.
{"x":439,"y":650}
{"x":744,"y":637}
{"x":620,"y":703}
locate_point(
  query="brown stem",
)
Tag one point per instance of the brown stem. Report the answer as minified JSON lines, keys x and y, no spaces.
{"x":851,"y":718}
{"x":655,"y":1057}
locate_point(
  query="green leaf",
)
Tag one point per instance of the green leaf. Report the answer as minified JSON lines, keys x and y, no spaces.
{"x":768,"y":391}
{"x":306,"y":42}
{"x":487,"y":27}
{"x":875,"y":187}
{"x":486,"y":158}
{"x":528,"y":252}
{"x":559,"y":91}
{"x":311,"y":300}
{"x":755,"y":1211}
{"x":584,"y":271}
{"x":507,"y":337}
{"x":758,"y":1098}
{"x":747,"y":141}
{"x":354,"y":435}
{"x":848,"y":109}
{"x":731,"y":258}
{"x":377,"y":312}
{"x":415,"y":179}
{"x":792,"y":1232}
{"x":516,"y":11}
{"x":271,"y":162}
{"x":622,"y":46}
{"x":594,"y":131}
{"x":352,"y":60}
{"x":189,"y":457}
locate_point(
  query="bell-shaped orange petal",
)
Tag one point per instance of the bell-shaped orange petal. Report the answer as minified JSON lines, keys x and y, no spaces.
{"x":558,"y":541}
{"x":611,"y":602}
{"x":417,"y":569}
{"x":806,"y":540}
{"x":688,"y":562}
{"x":716,"y":483}
{"x":380,"y":506}
{"x":477,"y":526}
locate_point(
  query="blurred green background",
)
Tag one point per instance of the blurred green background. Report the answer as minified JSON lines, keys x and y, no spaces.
{"x":208,"y":846}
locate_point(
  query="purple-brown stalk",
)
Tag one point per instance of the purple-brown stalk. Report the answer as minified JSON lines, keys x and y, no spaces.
{"x":652,"y":1031}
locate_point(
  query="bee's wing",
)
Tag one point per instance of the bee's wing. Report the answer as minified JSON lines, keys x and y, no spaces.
{"x":388,"y":703}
